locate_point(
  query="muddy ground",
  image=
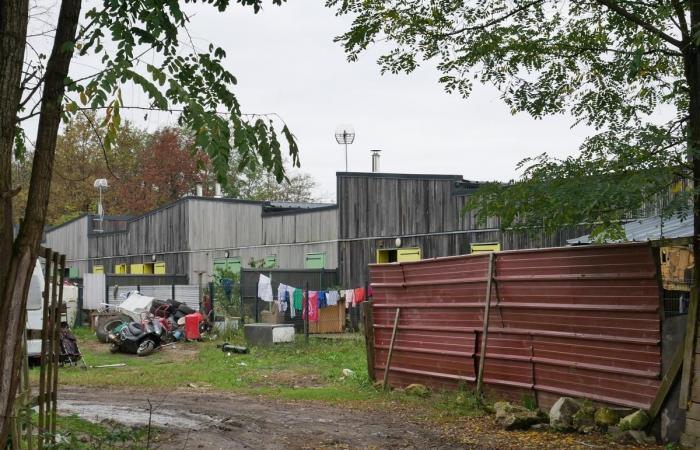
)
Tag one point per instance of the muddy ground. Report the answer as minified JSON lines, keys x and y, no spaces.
{"x":206,"y":420}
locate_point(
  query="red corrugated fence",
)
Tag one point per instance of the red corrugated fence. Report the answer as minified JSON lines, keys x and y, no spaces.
{"x":576,"y":321}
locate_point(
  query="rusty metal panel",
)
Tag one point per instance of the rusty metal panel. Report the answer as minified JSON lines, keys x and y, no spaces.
{"x":581,"y":321}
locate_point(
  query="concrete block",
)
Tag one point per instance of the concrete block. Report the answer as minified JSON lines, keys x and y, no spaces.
{"x":268,"y":333}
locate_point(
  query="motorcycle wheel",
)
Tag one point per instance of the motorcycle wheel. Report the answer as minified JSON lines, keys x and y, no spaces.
{"x":146,"y":347}
{"x":113,"y":348}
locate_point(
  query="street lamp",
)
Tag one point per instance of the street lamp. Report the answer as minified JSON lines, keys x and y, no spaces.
{"x":345,"y":134}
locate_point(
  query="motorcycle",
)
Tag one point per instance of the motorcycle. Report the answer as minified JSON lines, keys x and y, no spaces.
{"x":139,"y":338}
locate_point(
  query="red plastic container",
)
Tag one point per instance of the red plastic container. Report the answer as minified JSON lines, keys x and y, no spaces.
{"x":192,"y":326}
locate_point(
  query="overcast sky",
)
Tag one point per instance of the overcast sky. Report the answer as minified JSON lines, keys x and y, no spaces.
{"x":286,"y":62}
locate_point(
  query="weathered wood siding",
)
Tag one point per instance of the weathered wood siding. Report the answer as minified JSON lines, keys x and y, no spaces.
{"x":162,"y":232}
{"x":425,"y":211}
{"x":71,"y":240}
{"x":255,"y":235}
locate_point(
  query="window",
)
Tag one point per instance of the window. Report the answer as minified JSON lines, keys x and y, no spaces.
{"x":315,"y":261}
{"x":389,"y":255}
{"x":271,"y":262}
{"x":228,"y":264}
{"x":71,"y":272}
{"x":120,"y":269}
{"x":98,"y":269}
{"x":485,"y":247}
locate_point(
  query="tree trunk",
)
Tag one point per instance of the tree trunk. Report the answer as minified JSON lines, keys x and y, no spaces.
{"x":24,"y":251}
{"x":14,"y":16}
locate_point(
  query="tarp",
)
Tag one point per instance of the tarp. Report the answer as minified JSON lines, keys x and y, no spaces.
{"x":135,"y":304}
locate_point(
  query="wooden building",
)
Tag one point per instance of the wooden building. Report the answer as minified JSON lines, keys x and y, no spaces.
{"x":378,"y":217}
{"x":386,"y":217}
{"x":196,"y":234}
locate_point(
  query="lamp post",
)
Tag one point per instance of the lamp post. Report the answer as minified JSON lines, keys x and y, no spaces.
{"x":345,"y":134}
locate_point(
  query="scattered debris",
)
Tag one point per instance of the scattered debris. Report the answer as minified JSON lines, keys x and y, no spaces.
{"x":230,"y":348}
{"x":348,"y":373}
{"x":105,"y":366}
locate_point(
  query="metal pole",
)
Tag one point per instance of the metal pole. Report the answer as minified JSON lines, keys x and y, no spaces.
{"x":385,"y":384}
{"x":484,"y":339}
{"x":346,"y":152}
{"x":306,"y":314}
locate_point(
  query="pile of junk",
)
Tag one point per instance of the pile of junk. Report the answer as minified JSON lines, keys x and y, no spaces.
{"x":142,"y":324}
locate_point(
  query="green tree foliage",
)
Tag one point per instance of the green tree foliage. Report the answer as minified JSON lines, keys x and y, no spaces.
{"x":254,"y":183}
{"x":136,"y":41}
{"x":629,"y":69}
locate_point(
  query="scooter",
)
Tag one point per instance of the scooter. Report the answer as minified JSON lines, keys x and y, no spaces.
{"x":139,"y":338}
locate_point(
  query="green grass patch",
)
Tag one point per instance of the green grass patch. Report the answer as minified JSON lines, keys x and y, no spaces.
{"x":74,"y":433}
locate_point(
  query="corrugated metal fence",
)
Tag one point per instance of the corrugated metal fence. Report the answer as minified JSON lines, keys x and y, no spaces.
{"x":577,"y":321}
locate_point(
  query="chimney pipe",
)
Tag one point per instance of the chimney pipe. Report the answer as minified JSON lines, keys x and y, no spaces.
{"x":375,"y":160}
{"x":217,"y":190}
{"x":198,"y":189}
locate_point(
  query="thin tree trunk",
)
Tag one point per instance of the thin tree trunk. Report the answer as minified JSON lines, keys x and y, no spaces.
{"x":26,"y":246}
{"x":14,"y":17}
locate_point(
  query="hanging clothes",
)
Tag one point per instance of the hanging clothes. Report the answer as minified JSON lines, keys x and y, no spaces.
{"x":298,"y":299}
{"x":349,"y":298}
{"x":290,"y":300}
{"x":280,"y":297}
{"x":265,"y":288}
{"x":359,"y":296}
{"x":332,"y":298}
{"x":281,"y":292}
{"x":285,"y":302}
{"x":322,"y":299}
{"x":313,"y":306}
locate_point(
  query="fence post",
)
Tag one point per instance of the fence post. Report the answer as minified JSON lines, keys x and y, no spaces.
{"x":211,"y":301}
{"x":485,"y":332}
{"x":79,"y":313}
{"x":305,"y":310}
{"x":172,"y":294}
{"x":56,"y":347}
{"x":44,"y":344}
{"x":369,"y":339}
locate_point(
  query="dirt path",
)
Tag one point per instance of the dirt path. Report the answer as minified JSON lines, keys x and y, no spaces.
{"x":205,"y":420}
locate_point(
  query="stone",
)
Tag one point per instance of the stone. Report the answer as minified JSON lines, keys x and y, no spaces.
{"x":348,"y":373}
{"x":540,"y":427}
{"x":636,"y":421}
{"x":561,"y":415}
{"x":641,"y":437}
{"x":619,"y":436}
{"x":584,"y":419}
{"x":515,"y":417}
{"x":606,"y":417}
{"x":417,"y":389}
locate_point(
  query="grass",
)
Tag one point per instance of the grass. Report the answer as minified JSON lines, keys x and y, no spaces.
{"x":295,"y":371}
{"x":74,"y":433}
